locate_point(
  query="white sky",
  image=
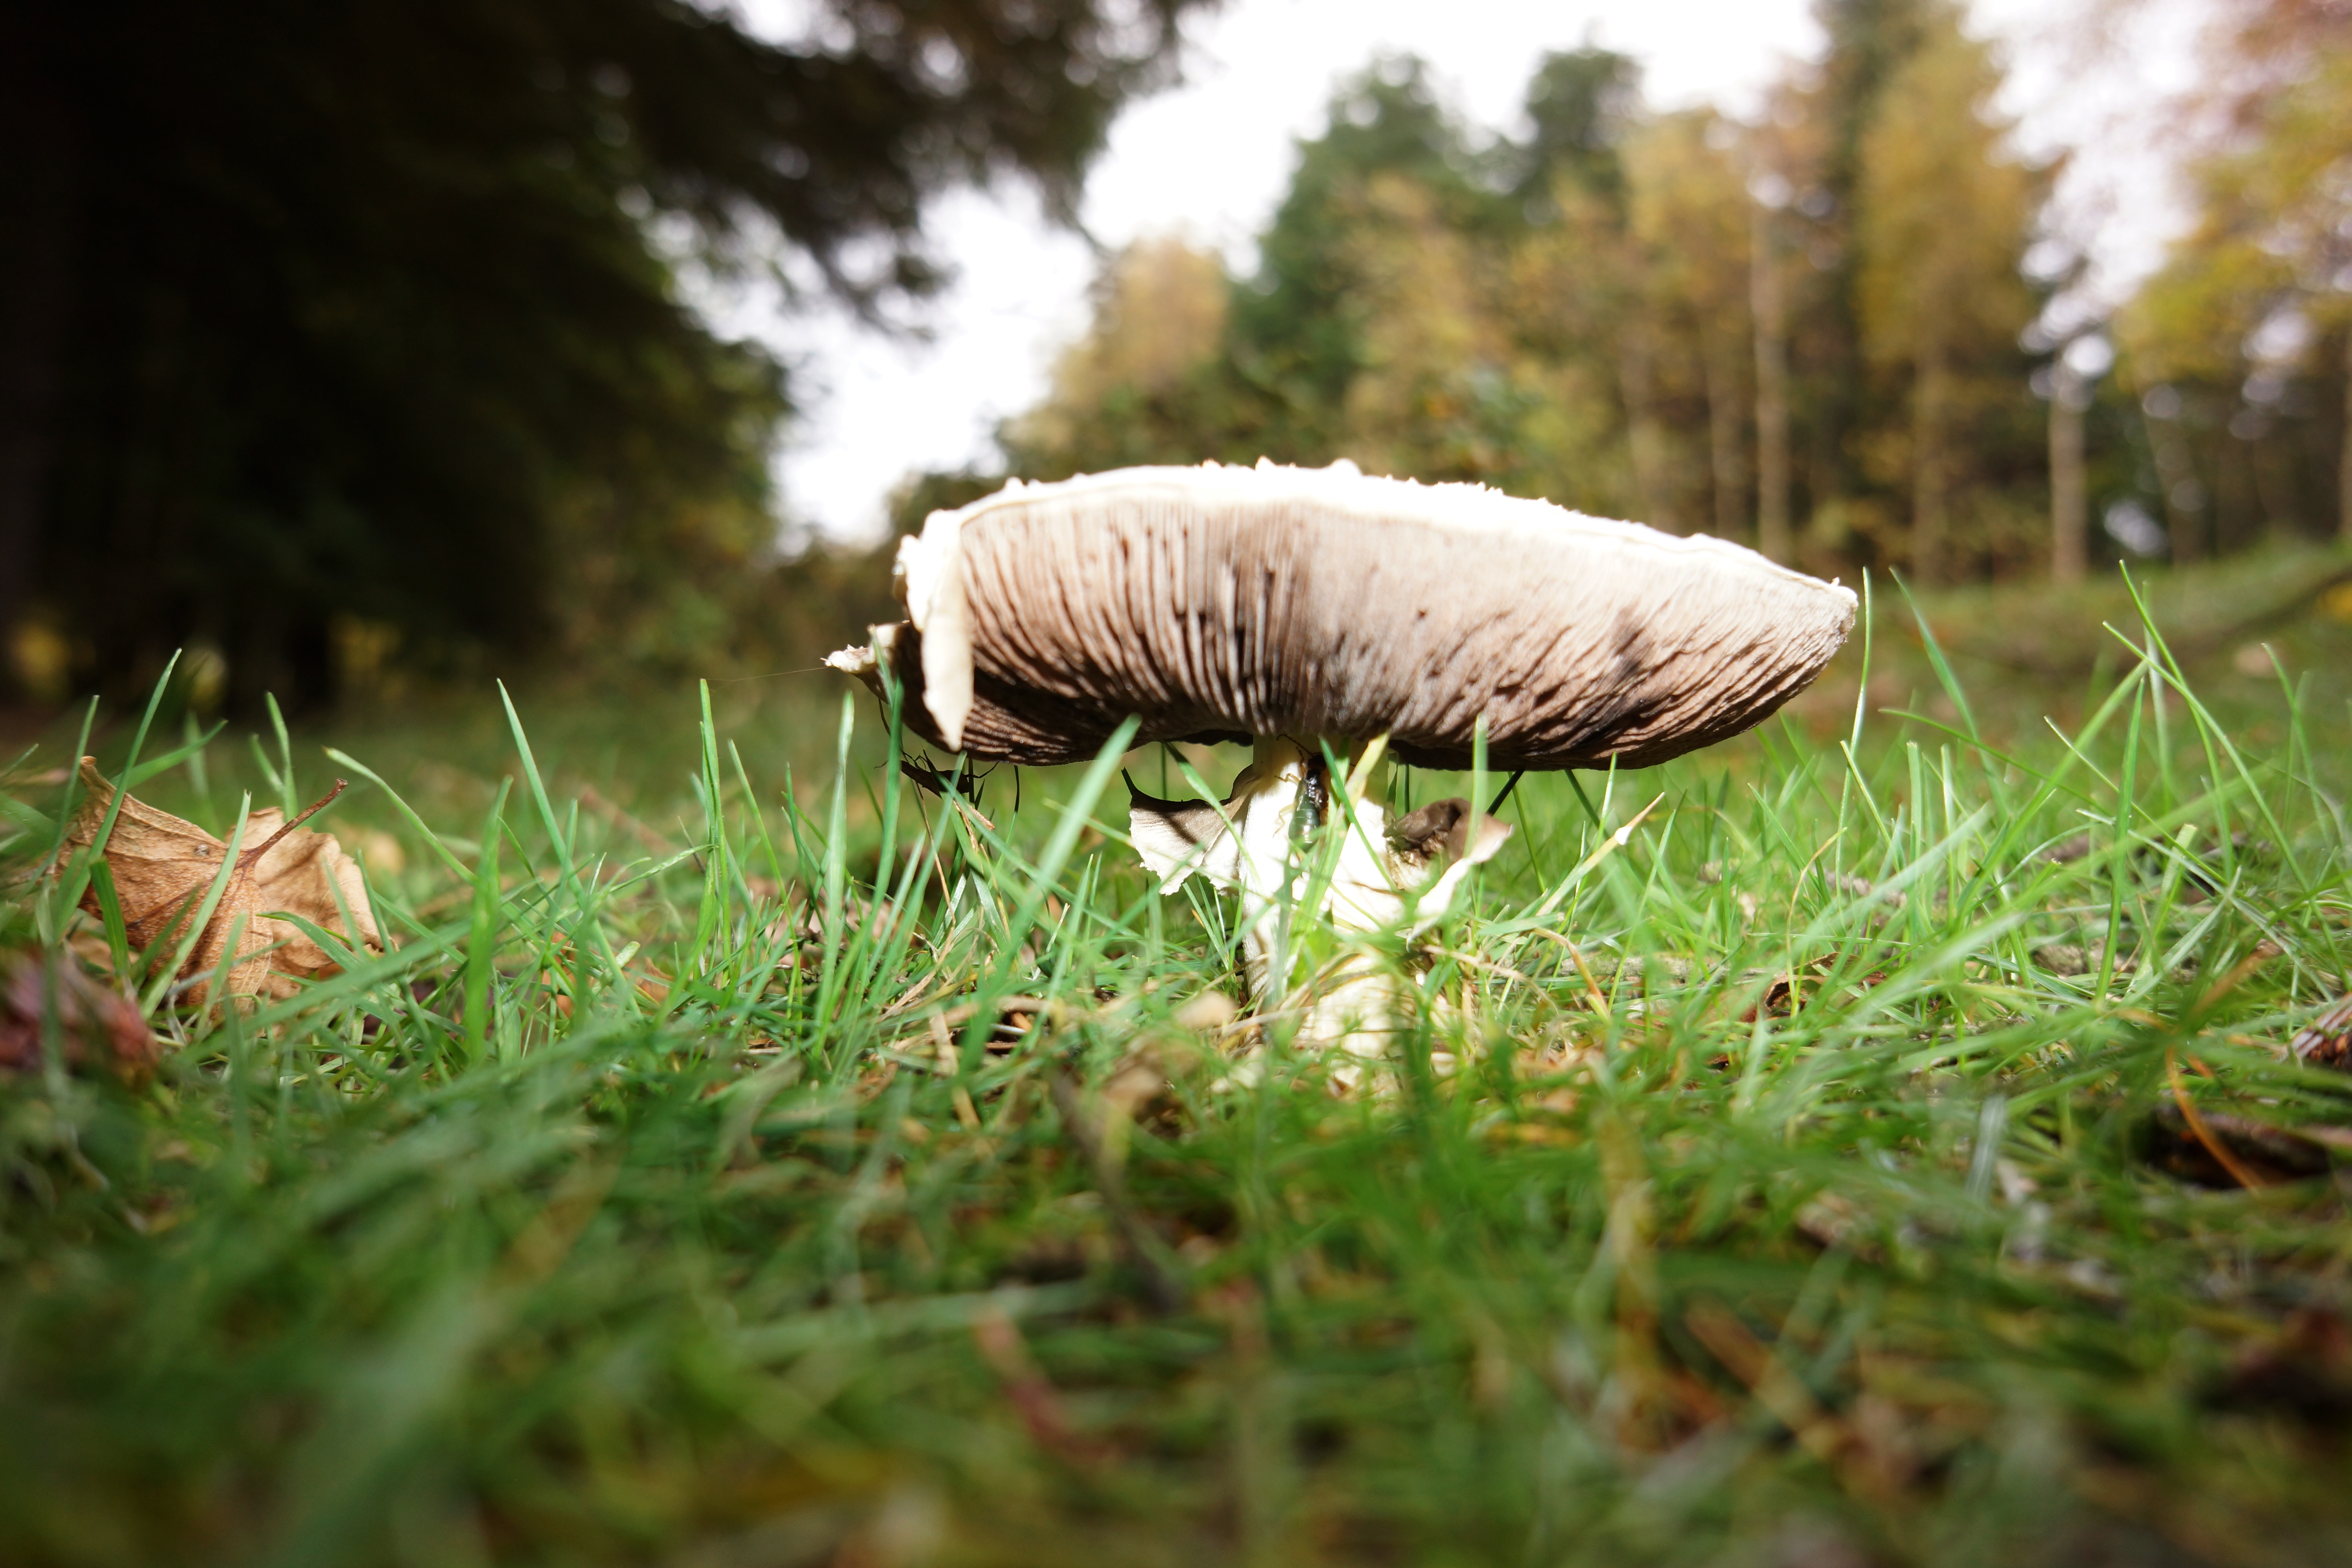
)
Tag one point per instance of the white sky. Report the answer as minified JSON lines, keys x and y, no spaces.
{"x":1211,"y":157}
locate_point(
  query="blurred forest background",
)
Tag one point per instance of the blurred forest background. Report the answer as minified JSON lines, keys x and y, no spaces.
{"x":350,"y":345}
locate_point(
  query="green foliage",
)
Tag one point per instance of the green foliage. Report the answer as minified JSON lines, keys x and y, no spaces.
{"x":1942,"y":218}
{"x":1298,"y":324}
{"x":1380,"y":324}
{"x":1579,"y":102}
{"x":377,"y":310}
{"x":692,"y":1237}
{"x":1573,"y":316}
{"x":1149,"y":384}
{"x":2247,"y":329}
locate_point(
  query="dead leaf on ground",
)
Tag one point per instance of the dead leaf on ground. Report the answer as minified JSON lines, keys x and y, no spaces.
{"x":164,"y":867}
{"x":92,"y":1022}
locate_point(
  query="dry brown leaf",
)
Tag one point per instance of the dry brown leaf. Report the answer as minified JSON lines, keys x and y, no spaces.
{"x":163,"y":867}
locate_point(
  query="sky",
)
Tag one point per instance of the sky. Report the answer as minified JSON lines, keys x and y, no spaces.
{"x":1211,"y":158}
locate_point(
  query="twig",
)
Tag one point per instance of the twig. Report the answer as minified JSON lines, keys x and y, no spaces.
{"x":2237,"y":1168}
{"x":253,"y":856}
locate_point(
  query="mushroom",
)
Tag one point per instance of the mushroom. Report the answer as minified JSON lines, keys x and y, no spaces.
{"x":1309,"y":612}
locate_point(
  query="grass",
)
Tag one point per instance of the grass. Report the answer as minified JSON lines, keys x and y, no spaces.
{"x":679,"y":1193}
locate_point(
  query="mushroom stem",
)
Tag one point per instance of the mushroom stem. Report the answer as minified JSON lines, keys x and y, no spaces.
{"x":1268,"y":841}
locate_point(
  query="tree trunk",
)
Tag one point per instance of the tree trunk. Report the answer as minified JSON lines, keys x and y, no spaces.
{"x":2273,"y":489}
{"x":2069,"y":509}
{"x":2184,"y":497}
{"x":2344,"y":454}
{"x":1772,"y":390}
{"x":1642,"y":431}
{"x":1930,"y":499}
{"x":2237,"y":498}
{"x":1730,"y":462}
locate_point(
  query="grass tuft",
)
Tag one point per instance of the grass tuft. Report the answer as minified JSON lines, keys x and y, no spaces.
{"x":1875,"y":1140}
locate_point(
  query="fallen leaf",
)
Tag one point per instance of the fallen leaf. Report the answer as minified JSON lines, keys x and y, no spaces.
{"x":1209,"y":1010}
{"x":164,"y":867}
{"x":92,"y":1022}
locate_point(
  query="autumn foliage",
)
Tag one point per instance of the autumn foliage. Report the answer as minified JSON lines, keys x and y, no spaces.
{"x":1846,"y":329}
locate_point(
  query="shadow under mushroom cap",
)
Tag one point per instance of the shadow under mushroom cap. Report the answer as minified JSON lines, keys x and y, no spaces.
{"x":1217,"y":603}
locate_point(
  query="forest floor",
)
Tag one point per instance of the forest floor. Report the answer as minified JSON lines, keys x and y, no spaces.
{"x":1892,"y":1149}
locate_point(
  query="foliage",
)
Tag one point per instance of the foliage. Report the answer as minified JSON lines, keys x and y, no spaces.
{"x":2249,"y":325}
{"x":1813,"y":330}
{"x":1574,"y":315}
{"x":720,"y":1171}
{"x":1387,"y":321}
{"x":1942,"y":217}
{"x":1690,"y":225}
{"x":379,"y":311}
{"x":1147,"y":383}
{"x":1297,"y":326}
{"x":1579,"y":103}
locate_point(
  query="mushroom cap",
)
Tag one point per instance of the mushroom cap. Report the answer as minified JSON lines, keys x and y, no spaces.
{"x":1219,"y":603}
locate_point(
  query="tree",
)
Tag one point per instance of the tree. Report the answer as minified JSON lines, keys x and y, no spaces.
{"x":1941,"y":223}
{"x":1869,"y":41}
{"x":1579,"y":103}
{"x":2070,"y":501}
{"x":1691,"y":227}
{"x":1782,"y":156}
{"x":373,"y":310}
{"x":1431,"y":397}
{"x":1592,"y":432}
{"x":2254,"y":310}
{"x":1149,"y":383}
{"x":1412,"y":291}
{"x":1591,"y":314}
{"x":1295,"y":336}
